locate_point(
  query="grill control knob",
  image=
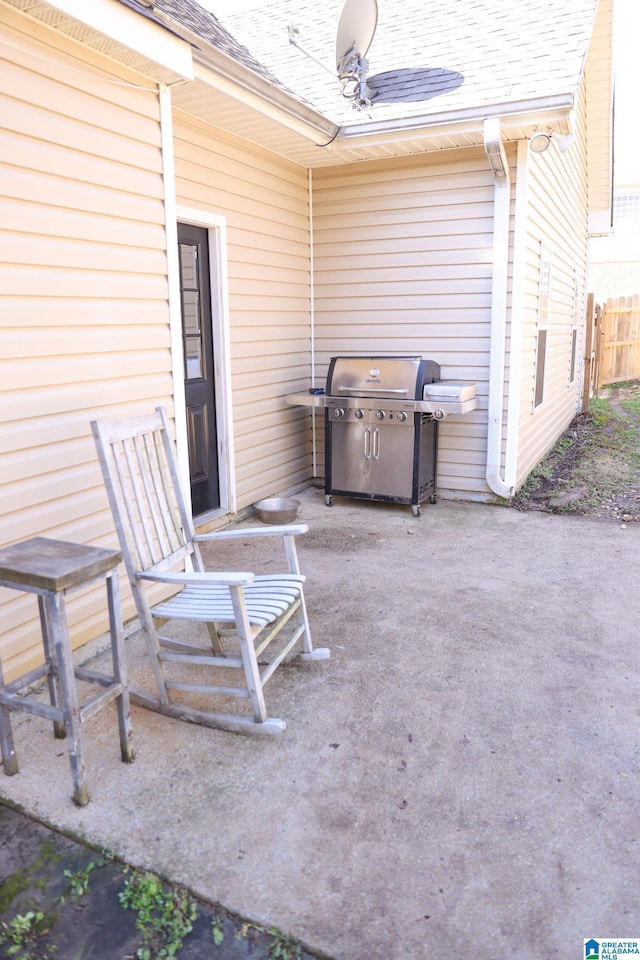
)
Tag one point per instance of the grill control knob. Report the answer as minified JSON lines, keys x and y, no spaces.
{"x":402,"y":416}
{"x":338,"y":413}
{"x":380,"y":414}
{"x":359,"y":414}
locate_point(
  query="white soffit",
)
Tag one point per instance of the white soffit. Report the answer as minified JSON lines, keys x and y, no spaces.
{"x":114,"y":30}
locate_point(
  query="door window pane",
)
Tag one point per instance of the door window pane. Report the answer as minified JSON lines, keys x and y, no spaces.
{"x":189,"y":264}
{"x":191,"y":312}
{"x":193,"y":358}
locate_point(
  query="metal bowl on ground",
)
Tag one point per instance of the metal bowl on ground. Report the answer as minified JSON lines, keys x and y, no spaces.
{"x":277,"y":509}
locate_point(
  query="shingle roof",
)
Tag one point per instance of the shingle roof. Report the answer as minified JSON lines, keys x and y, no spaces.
{"x":426,"y":57}
{"x":202,"y":23}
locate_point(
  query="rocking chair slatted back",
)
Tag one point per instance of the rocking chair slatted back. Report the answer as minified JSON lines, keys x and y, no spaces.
{"x":141,"y":485}
{"x":151,"y":510}
{"x":244,"y":613}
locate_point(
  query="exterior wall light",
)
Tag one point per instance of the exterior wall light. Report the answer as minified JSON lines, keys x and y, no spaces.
{"x":541,"y":141}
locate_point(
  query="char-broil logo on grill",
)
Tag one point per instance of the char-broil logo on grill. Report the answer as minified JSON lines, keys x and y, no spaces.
{"x":374,"y":376}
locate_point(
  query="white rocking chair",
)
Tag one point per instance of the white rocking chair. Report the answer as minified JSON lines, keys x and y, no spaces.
{"x":156,"y":535}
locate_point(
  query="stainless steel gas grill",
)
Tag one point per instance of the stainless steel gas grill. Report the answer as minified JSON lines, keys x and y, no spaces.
{"x":381,"y":426}
{"x":377,"y":446}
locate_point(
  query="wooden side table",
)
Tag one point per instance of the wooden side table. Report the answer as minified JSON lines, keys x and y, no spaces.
{"x":50,"y":569}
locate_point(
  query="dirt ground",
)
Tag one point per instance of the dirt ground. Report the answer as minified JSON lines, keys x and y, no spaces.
{"x":594,"y":469}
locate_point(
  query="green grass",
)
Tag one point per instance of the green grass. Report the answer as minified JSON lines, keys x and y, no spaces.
{"x":631,"y":399}
{"x":596,"y":459}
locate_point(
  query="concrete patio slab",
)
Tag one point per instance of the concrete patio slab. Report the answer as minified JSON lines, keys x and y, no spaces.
{"x":459,"y":780}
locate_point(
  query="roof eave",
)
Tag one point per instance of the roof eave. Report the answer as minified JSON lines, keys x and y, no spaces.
{"x":227,"y":75}
{"x":233,"y":78}
{"x":553,"y":112}
{"x":118,"y":31}
{"x":230,"y":76}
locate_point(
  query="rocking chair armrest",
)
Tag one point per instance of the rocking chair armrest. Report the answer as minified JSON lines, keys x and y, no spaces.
{"x":199,"y":577}
{"x":282,"y":530}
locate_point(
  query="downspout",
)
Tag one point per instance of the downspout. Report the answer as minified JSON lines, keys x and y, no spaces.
{"x":312,"y":325}
{"x":499,"y":280}
{"x":517,"y":311}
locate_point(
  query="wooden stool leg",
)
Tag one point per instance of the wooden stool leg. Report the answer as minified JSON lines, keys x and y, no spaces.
{"x":118,"y":656}
{"x":9,"y":756}
{"x":55,"y":620}
{"x":59,"y":729}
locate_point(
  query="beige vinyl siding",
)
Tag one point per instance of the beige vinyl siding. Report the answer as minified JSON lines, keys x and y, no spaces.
{"x":84,"y":327}
{"x":402,"y":258}
{"x":599,"y":88}
{"x":265,"y":202}
{"x":557,"y":205}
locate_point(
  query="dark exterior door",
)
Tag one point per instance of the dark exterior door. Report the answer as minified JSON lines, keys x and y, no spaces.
{"x":195,"y":293}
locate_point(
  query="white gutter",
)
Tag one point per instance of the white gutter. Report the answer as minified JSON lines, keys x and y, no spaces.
{"x":501,"y":210}
{"x":552,"y":112}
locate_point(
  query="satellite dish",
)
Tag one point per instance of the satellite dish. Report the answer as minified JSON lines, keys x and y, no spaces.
{"x":356,"y":27}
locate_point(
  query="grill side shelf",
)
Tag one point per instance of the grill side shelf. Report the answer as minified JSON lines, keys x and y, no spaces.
{"x":446,"y":408}
{"x":439,"y":408}
{"x":307,"y":399}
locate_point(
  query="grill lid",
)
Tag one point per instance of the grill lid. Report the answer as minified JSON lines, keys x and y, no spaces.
{"x":383,"y":377}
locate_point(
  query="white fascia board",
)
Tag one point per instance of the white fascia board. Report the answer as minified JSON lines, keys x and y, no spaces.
{"x":135,"y":32}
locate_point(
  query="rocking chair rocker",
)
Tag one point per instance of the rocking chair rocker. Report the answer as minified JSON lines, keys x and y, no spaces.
{"x":249,"y":617}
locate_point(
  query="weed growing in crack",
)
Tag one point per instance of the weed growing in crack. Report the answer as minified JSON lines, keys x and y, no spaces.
{"x":79,"y":881}
{"x":21,"y":937}
{"x":217,"y":932}
{"x":165,"y":915}
{"x":283,"y":947}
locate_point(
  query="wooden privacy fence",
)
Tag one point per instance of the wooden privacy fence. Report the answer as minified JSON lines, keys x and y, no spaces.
{"x":620,"y":340}
{"x":612,"y":347}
